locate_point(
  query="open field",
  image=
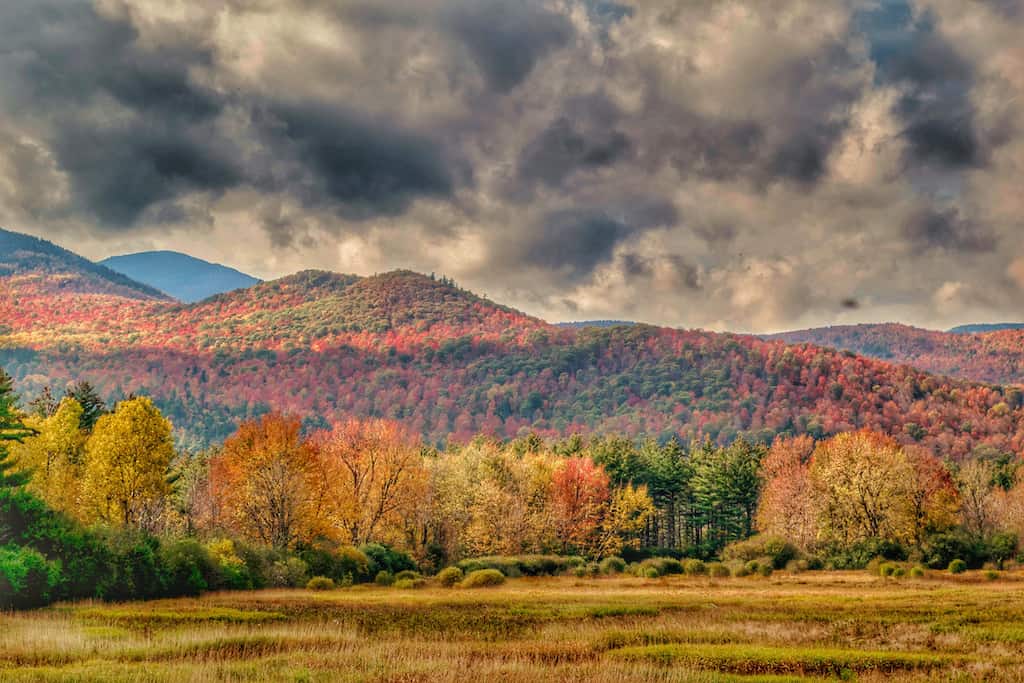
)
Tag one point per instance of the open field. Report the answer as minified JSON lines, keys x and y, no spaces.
{"x":818,"y":625}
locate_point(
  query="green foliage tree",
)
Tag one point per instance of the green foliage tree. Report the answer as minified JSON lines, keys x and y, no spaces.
{"x":12,"y":429}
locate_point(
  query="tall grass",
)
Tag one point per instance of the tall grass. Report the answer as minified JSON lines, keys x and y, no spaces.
{"x":607,"y":629}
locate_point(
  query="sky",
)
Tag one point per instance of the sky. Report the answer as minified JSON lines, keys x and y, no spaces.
{"x":745,"y":165}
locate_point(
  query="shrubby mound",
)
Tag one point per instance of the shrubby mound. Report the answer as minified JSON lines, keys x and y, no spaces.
{"x":320,"y":583}
{"x":523,"y":565}
{"x":778,"y":550}
{"x":449,"y":576}
{"x":482,"y":578}
{"x":612,"y":565}
{"x":663,"y":566}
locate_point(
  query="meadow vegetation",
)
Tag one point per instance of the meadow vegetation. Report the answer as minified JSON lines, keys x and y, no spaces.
{"x":789,"y":626}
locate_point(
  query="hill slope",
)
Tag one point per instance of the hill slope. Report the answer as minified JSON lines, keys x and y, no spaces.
{"x":989,"y":357}
{"x":451,"y":364}
{"x":39,"y":265}
{"x":184,"y":277}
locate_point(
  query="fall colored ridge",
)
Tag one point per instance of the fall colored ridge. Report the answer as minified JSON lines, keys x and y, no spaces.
{"x":450,"y":364}
{"x":993,"y":356}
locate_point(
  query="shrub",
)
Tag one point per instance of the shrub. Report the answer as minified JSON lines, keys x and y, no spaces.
{"x":778,"y":550}
{"x":384,"y":578}
{"x":337,"y":562}
{"x":592,"y":568}
{"x":289,"y":573}
{"x":523,"y":565}
{"x":860,"y":554}
{"x":409,"y":583}
{"x":449,"y":576}
{"x":694,"y":568}
{"x":407,"y":575}
{"x":579,"y":572}
{"x":483,"y":577}
{"x":991,"y":574}
{"x":899,"y":572}
{"x":320,"y":583}
{"x":663,"y":565}
{"x":797,"y":566}
{"x":957,"y":567}
{"x":752,"y":567}
{"x":26,"y":578}
{"x":613,"y":565}
{"x":1001,"y":547}
{"x":886,"y":569}
{"x":765,"y":569}
{"x":941,"y":549}
{"x":650,"y":573}
{"x":916,"y":572}
{"x":234,"y":573}
{"x":740,"y":569}
{"x":382,"y":557}
{"x":188,"y":567}
{"x":717,"y":570}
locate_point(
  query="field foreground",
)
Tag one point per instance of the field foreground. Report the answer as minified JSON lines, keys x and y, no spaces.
{"x":821,"y":625}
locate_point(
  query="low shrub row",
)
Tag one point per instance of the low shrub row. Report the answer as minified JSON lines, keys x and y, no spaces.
{"x":523,"y":565}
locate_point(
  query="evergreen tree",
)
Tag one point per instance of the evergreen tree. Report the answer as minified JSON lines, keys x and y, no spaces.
{"x":11,"y":429}
{"x":93,"y":407}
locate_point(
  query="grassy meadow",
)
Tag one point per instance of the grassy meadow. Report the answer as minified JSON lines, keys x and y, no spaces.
{"x":807,"y":626}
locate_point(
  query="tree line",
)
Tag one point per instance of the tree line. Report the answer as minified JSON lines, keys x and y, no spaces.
{"x":334,"y":497}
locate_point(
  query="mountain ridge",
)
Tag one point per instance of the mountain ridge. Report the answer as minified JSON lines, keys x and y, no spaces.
{"x":182,"y":276}
{"x":450,"y":365}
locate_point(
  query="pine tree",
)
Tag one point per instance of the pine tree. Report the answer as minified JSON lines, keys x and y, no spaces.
{"x":93,"y":407}
{"x":11,"y":429}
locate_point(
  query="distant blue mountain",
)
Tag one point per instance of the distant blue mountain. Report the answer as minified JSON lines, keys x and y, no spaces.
{"x":184,"y":277}
{"x":986,"y":327}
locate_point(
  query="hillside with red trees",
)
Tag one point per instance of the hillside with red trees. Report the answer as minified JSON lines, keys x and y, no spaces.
{"x":451,"y":365}
{"x":996,"y":356}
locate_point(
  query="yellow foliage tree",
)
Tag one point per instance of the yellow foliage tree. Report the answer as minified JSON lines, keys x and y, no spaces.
{"x":54,"y":456}
{"x":622,"y":520}
{"x":127,"y":461}
{"x":861,"y":484}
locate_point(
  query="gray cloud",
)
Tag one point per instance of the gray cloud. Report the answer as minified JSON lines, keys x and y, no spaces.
{"x":756,"y":165}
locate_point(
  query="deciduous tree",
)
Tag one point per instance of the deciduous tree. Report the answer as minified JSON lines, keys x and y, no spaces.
{"x":127,"y":462}
{"x":268,"y":482}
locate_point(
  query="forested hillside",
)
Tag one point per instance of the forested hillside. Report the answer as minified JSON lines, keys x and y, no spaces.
{"x":450,"y":364}
{"x":995,"y":355}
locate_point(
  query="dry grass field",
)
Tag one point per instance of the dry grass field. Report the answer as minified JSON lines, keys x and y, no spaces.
{"x":809,"y":626}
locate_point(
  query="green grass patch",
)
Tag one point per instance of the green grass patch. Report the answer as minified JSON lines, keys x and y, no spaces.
{"x":137,"y":618}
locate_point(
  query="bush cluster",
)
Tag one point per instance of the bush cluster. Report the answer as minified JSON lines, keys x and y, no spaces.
{"x":46,"y":556}
{"x":482,"y":578}
{"x":777,"y":550}
{"x":514,"y":566}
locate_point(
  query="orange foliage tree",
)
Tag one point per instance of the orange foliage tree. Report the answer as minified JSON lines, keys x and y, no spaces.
{"x":373,"y":477}
{"x":268,"y":482}
{"x":786,"y":507}
{"x":579,"y":494}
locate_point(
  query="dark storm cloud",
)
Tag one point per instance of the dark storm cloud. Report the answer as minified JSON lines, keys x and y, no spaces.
{"x":574,"y":242}
{"x":365,"y":167}
{"x":507,"y":39}
{"x":148,"y":139}
{"x":119,"y":171}
{"x":583,"y":151}
{"x":947,"y":229}
{"x":936,"y":110}
{"x":561,"y":149}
